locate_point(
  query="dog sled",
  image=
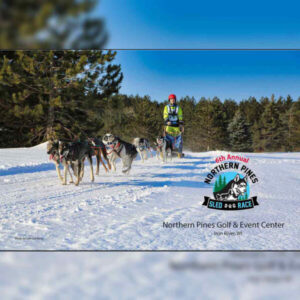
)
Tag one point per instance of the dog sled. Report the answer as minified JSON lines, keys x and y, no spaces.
{"x":176,"y":152}
{"x":176,"y":144}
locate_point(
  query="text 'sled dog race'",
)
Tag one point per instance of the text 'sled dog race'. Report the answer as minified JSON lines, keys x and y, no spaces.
{"x":231,"y":187}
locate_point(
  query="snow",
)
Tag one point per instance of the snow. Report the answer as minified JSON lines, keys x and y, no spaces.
{"x":119,"y":212}
{"x":81,"y":275}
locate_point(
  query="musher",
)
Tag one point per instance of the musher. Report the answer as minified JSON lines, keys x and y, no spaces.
{"x":174,"y":124}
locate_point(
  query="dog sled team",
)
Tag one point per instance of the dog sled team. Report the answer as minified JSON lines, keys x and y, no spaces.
{"x":110,"y":148}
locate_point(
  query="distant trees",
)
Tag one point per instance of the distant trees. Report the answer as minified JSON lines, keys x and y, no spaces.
{"x":291,"y":119}
{"x":74,"y":94}
{"x":208,"y":123}
{"x":271,"y":132}
{"x":266,"y":125}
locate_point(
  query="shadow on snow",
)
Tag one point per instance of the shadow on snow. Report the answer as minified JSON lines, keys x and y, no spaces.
{"x":28,"y":169}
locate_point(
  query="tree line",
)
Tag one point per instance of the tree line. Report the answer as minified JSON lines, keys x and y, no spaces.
{"x":75,"y":94}
{"x":267,"y":124}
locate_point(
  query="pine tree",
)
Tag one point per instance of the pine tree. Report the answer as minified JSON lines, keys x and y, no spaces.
{"x":230,"y":107}
{"x":293,"y":117}
{"x":187,"y":105}
{"x":239,"y":133}
{"x":257,"y":142}
{"x":272,"y":129}
{"x":50,"y":24}
{"x":224,"y":182}
{"x":46,"y":92}
{"x":216,"y":186}
{"x":208,"y":125}
{"x":220,"y":183}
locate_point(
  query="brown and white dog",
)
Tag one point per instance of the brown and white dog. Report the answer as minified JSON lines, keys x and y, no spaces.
{"x":99,"y":150}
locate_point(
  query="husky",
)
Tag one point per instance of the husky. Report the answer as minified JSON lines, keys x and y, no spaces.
{"x":163,"y":147}
{"x":117,"y":148}
{"x":75,"y":153}
{"x":158,"y":150}
{"x":52,"y":150}
{"x":99,"y":150}
{"x":143,"y":147}
{"x":233,"y":189}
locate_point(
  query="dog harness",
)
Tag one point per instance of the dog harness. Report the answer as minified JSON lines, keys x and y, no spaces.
{"x":57,"y":159}
{"x":142,"y":147}
{"x":114,"y":147}
{"x":72,"y":152}
{"x":66,"y":154}
{"x":161,"y":143}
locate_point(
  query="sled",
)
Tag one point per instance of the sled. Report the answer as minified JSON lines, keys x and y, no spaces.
{"x":176,"y":154}
{"x":174,"y":149}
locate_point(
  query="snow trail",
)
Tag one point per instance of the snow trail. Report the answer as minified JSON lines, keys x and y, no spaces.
{"x":119,"y":212}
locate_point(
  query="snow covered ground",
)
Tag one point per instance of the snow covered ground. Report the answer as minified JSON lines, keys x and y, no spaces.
{"x":224,"y":276}
{"x":119,"y":212}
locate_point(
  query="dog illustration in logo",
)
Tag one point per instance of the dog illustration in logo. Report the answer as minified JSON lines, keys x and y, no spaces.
{"x":233,"y":189}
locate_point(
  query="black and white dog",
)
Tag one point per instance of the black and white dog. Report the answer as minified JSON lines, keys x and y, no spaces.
{"x":143,"y":147}
{"x":233,"y":189}
{"x":74,"y":153}
{"x":52,"y":150}
{"x":163,"y":147}
{"x":117,"y":148}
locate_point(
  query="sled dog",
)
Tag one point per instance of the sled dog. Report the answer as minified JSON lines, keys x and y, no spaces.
{"x":143,"y":147}
{"x":99,"y":150}
{"x":163,"y":147}
{"x":233,"y":189}
{"x":118,"y":148}
{"x":52,"y":150}
{"x":75,"y":153}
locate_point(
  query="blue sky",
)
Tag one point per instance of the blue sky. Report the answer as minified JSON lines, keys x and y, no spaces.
{"x":218,"y":24}
{"x":225,"y":74}
{"x":201,"y":24}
